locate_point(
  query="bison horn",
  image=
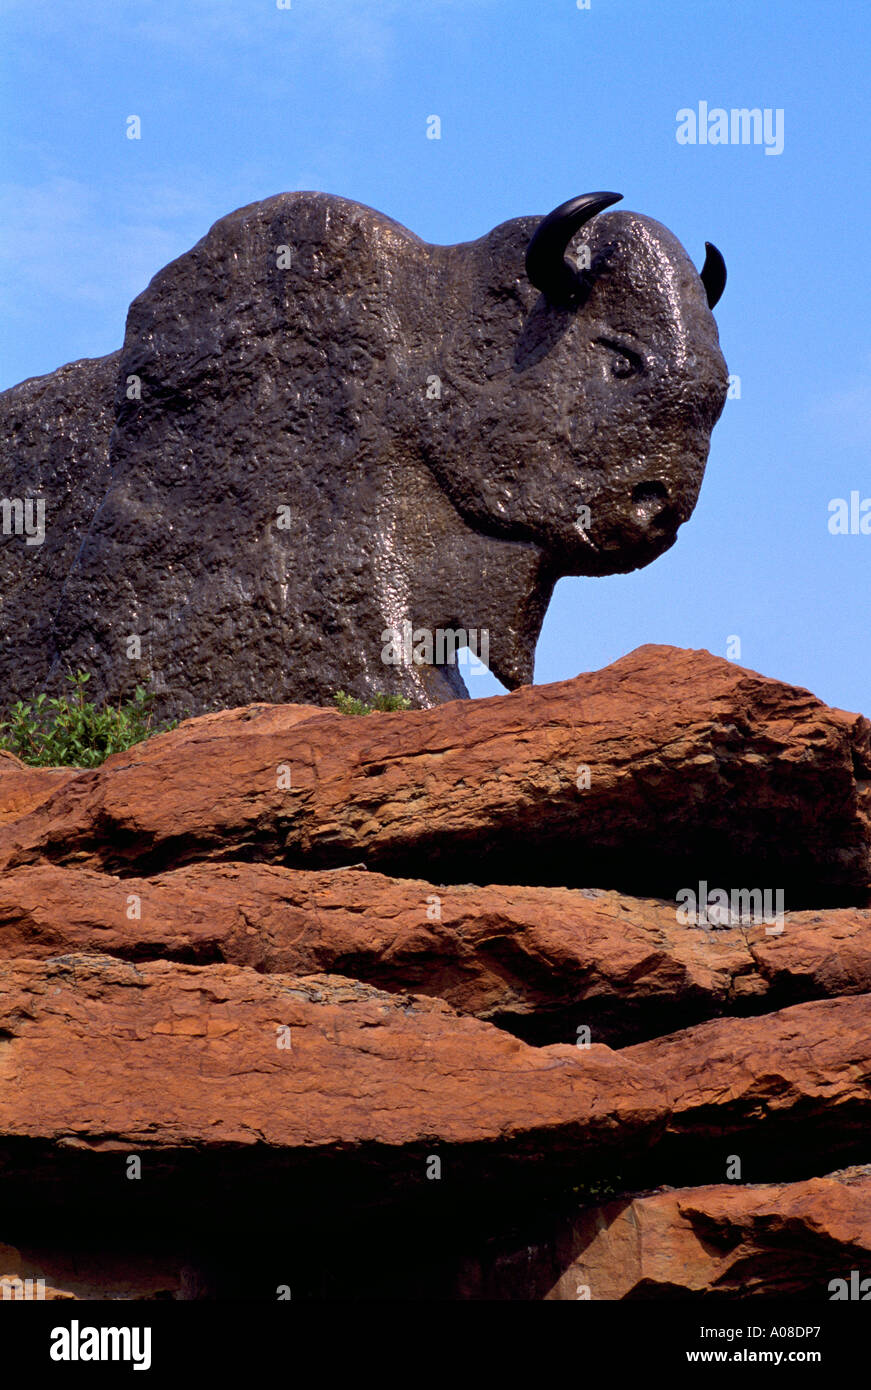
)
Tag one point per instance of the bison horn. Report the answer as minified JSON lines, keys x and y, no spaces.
{"x":713,"y":274}
{"x":546,"y":264}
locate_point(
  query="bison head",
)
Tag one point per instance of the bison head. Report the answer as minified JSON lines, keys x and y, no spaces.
{"x":591,"y":389}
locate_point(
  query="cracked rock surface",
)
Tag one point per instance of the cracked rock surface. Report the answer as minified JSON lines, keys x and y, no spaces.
{"x":482,"y":1084}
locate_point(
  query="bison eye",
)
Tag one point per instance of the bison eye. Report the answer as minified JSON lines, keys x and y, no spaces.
{"x":624,"y":362}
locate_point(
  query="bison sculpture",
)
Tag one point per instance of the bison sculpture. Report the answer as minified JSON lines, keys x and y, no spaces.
{"x":325,"y":439}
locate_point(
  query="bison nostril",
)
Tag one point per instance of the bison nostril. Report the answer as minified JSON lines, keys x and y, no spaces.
{"x":649,"y":494}
{"x":653,"y":509}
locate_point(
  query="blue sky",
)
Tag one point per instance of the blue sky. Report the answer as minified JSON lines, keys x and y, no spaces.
{"x":538,"y":101}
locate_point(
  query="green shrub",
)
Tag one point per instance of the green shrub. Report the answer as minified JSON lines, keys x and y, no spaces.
{"x":382,"y":704}
{"x":71,"y":732}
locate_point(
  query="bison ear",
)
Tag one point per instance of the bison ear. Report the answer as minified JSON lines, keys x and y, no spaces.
{"x":546,"y":264}
{"x":713,"y":274}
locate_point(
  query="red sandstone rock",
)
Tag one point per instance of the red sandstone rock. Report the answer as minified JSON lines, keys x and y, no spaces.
{"x":165,"y":1048}
{"x":818,"y":953}
{"x":162,"y":1054}
{"x":697,"y":768}
{"x":22,"y":788}
{"x":102,"y":1057}
{"x":791,"y":1087}
{"x":777,"y":1241}
{"x":540,"y":960}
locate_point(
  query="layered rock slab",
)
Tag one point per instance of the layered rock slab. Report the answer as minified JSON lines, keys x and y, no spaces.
{"x":783,"y":1093}
{"x":722,"y":1241}
{"x":663,"y":768}
{"x":23,"y":787}
{"x":101,"y":1056}
{"x":215,"y":1075}
{"x":539,"y":961}
{"x":779,"y":1241}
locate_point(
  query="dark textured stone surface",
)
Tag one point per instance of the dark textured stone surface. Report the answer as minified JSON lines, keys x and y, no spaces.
{"x":54,"y":444}
{"x":306,"y":387}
